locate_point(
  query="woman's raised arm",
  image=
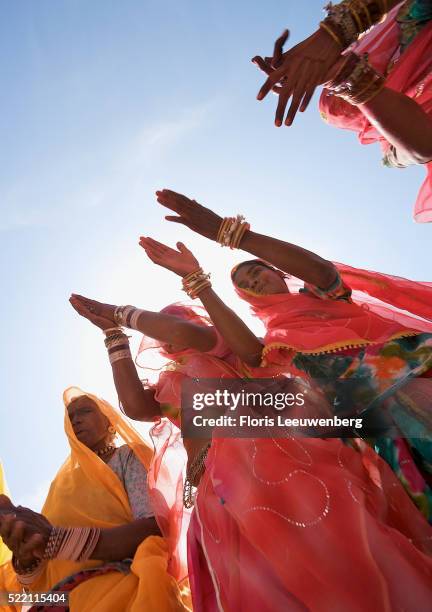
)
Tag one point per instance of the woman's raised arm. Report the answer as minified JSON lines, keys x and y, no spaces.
{"x":287,"y":257}
{"x":241,"y":340}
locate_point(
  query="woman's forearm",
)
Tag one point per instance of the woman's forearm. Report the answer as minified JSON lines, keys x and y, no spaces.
{"x":138,"y":403}
{"x":290,"y":258}
{"x":403,"y":123}
{"x":174,"y":331}
{"x":241,"y":340}
{"x":121,"y":542}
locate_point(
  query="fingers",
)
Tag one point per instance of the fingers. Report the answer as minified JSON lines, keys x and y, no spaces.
{"x":274,"y":78}
{"x":6,"y":504}
{"x":310,"y":90}
{"x":34,"y":546}
{"x":172,"y":200}
{"x":153,"y":255}
{"x":298,"y":94}
{"x":278,"y":49}
{"x":159,"y":246}
{"x":262,"y":64}
{"x":268,"y":86}
{"x":183,"y":248}
{"x":176,"y":220}
{"x":16,"y":534}
{"x":6,"y":525}
{"x":284,"y":96}
{"x":92,"y":305}
{"x":79,"y":307}
{"x":83,"y":310}
{"x":277,"y":89}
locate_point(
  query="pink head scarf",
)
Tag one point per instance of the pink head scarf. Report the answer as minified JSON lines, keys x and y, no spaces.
{"x":384,"y":307}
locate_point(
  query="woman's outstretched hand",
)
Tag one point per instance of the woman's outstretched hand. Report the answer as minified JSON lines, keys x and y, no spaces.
{"x":298,"y":72}
{"x":101,"y":315}
{"x":181,"y":262}
{"x":196,"y":217}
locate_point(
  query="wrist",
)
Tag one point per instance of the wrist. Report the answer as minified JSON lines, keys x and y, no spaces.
{"x":357,"y":81}
{"x":331,"y":36}
{"x":350,"y":18}
{"x":110,"y":312}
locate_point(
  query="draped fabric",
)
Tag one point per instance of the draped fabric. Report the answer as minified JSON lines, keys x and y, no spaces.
{"x":384,"y":307}
{"x":308,"y":524}
{"x":410,"y":74}
{"x":86,"y":492}
{"x":5,"y":553}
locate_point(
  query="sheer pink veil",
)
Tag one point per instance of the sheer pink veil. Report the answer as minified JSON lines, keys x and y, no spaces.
{"x":168,"y":469}
{"x":153,"y":355}
{"x":166,"y":477}
{"x":401,"y":305}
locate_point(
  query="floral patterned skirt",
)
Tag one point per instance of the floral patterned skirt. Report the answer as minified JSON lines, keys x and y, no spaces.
{"x":394,"y":380}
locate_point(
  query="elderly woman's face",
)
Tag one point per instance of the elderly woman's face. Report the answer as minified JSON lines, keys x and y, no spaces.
{"x":89,"y":424}
{"x":259,"y":279}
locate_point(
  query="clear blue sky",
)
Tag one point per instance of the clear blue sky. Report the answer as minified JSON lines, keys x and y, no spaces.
{"x":102,"y":103}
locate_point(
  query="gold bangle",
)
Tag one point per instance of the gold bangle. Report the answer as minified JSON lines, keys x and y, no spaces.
{"x":356,"y":18}
{"x":366,"y":11}
{"x":231,"y":231}
{"x":236,"y":234}
{"x":226,"y":221}
{"x":243,"y":229}
{"x":194,"y":291}
{"x":200,"y":288}
{"x":195,"y":282}
{"x":192,"y":275}
{"x":114,"y":330}
{"x":335,"y":37}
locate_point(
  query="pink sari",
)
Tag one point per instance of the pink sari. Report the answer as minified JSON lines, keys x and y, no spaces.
{"x":316,"y":525}
{"x":277,"y":523}
{"x":411,"y":75}
{"x":167,"y":470}
{"x":305,"y":525}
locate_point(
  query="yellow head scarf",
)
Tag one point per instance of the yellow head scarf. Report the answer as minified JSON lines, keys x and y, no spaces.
{"x":86,"y":492}
{"x":5,"y":553}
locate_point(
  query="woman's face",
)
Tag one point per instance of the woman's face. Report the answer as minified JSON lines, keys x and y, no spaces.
{"x":89,"y":424}
{"x":259,"y":279}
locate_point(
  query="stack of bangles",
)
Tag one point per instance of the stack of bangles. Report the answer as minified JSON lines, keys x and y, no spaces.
{"x":231,"y":231}
{"x":195,"y":282}
{"x":347,"y":20}
{"x":116,"y":341}
{"x":66,"y":544}
{"x":357,"y":82}
{"x":117,"y":344}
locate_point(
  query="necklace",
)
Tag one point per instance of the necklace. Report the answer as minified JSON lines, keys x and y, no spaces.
{"x":105,"y":450}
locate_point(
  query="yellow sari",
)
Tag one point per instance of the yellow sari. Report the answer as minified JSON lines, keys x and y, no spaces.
{"x":5,"y":553}
{"x":86,"y":492}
